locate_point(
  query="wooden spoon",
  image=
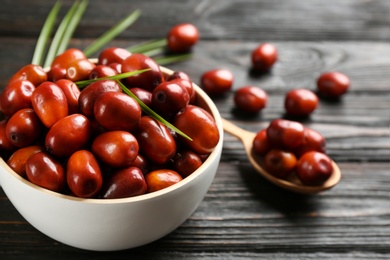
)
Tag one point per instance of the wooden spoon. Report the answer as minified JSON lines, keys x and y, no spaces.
{"x":293,"y":183}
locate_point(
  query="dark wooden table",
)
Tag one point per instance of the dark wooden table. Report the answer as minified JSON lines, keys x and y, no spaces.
{"x":243,"y":216}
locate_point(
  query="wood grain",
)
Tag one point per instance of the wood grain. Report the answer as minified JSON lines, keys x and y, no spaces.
{"x":243,"y":216}
{"x":218,"y":19}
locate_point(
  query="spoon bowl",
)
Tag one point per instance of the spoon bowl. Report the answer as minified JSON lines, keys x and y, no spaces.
{"x":292,"y":183}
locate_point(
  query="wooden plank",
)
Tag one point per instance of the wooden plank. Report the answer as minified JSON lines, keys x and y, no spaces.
{"x":314,"y":20}
{"x":244,"y":216}
{"x":299,"y":64}
{"x":360,"y":132}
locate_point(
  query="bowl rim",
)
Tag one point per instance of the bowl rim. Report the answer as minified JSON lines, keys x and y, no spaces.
{"x":147,"y":196}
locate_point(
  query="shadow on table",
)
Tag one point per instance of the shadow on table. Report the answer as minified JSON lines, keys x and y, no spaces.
{"x":291,"y":205}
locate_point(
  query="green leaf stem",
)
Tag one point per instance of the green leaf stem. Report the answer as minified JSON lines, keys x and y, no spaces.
{"x":112,"y":33}
{"x":84,"y":83}
{"x":172,"y":59}
{"x":144,"y":107}
{"x":65,"y":31}
{"x":72,"y":25}
{"x":151,"y":113}
{"x":147,"y":46}
{"x":59,"y":35}
{"x":155,"y":52}
{"x":45,"y":34}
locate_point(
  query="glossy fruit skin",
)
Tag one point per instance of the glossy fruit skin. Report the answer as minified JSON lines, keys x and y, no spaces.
{"x":313,"y":141}
{"x":188,"y":86}
{"x":217,"y":81}
{"x":116,"y":66}
{"x":89,"y":94}
{"x":5,"y":144}
{"x":97,"y":129}
{"x":264,"y":56}
{"x":198,"y":124}
{"x":117,"y":111}
{"x":23,"y":128}
{"x":83,"y":174}
{"x":161,"y":179}
{"x":182,"y":37}
{"x":72,"y":93}
{"x":333,"y":84}
{"x":44,"y":171}
{"x":124,"y":183}
{"x":116,"y":148}
{"x":155,"y":140}
{"x":68,"y":135}
{"x":148,"y":80}
{"x":186,"y":162}
{"x":280,"y":163}
{"x":101,"y":71}
{"x":79,"y":69}
{"x":314,"y":168}
{"x":285,"y":133}
{"x":168,"y":98}
{"x":185,"y":80}
{"x":179,"y":75}
{"x":33,"y":73}
{"x":144,"y":95}
{"x":141,"y":163}
{"x":49,"y":102}
{"x":250,"y":99}
{"x":261,"y":145}
{"x":300,"y":102}
{"x":64,"y":59}
{"x":113,"y":55}
{"x":17,"y":161}
{"x":56,"y":73}
{"x":16,"y":96}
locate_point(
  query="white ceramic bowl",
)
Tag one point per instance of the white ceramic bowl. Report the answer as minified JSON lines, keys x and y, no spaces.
{"x":114,"y":224}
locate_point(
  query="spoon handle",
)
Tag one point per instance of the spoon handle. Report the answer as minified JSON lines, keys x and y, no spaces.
{"x":234,"y":130}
